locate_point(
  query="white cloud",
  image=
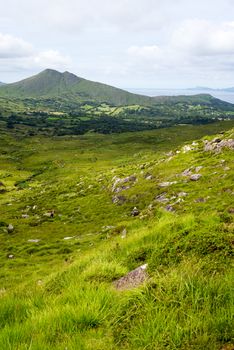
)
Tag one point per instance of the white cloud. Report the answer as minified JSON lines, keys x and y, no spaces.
{"x":51,"y":59}
{"x":11,"y":47}
{"x":18,"y":53}
{"x":202,"y":37}
{"x":152,"y":52}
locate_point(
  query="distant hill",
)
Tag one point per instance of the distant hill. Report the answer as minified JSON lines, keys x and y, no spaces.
{"x":52,"y":84}
{"x":1,"y":83}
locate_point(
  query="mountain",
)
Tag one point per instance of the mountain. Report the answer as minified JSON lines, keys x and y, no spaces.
{"x":51,"y":83}
{"x":1,"y":83}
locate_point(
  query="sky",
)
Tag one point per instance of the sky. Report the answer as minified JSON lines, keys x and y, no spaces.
{"x":125,"y":43}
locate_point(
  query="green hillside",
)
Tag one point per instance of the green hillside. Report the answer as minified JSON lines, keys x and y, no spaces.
{"x":51,"y":83}
{"x":78,"y":213}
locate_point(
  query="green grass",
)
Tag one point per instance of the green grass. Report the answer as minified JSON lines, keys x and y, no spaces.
{"x":59,"y":294}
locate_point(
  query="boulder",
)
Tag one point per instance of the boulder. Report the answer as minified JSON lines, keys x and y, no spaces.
{"x":133,"y":279}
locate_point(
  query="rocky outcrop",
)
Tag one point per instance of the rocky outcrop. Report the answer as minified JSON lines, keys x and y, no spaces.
{"x":123,"y":184}
{"x":217,"y":145}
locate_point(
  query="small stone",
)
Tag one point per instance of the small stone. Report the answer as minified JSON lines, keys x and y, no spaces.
{"x":195,"y":177}
{"x":135,"y":212}
{"x":166,"y":184}
{"x":182,"y":194}
{"x":25,"y":216}
{"x":10,"y":228}
{"x":33,"y":240}
{"x":186,"y":172}
{"x":120,"y":200}
{"x":169,"y":208}
{"x":10,"y":256}
{"x":161,"y":198}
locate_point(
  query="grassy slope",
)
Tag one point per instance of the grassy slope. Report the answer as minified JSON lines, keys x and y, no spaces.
{"x":51,"y":83}
{"x":58,"y":294}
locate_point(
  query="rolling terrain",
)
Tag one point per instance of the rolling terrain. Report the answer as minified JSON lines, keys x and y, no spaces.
{"x":79,"y":213}
{"x":54,"y":103}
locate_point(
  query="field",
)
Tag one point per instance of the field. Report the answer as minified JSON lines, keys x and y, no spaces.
{"x":68,"y":232}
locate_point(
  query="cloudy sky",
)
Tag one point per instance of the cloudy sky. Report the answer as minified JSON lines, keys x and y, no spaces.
{"x":126,"y":43}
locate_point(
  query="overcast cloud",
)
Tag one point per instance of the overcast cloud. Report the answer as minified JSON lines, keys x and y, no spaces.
{"x":126,"y":43}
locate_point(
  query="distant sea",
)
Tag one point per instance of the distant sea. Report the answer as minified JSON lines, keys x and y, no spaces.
{"x":222,"y":95}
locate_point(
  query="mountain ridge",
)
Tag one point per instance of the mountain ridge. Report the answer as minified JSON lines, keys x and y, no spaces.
{"x":51,"y":83}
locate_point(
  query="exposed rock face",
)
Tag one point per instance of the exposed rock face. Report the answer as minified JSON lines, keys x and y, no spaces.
{"x":123,"y":184}
{"x":217,"y":145}
{"x":133,"y":279}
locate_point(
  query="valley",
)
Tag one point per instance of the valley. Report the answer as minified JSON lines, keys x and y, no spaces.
{"x":118,"y":202}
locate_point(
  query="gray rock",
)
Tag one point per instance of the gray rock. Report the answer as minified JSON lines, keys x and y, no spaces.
{"x":118,"y":183}
{"x":195,"y":177}
{"x":10,"y":228}
{"x":169,"y":208}
{"x":135,"y":212}
{"x":217,"y":145}
{"x":33,"y":240}
{"x":182,"y":194}
{"x":133,"y":279}
{"x":186,"y":172}
{"x":148,"y":176}
{"x":161,"y":198}
{"x":25,"y":216}
{"x":119,"y":199}
{"x":166,"y":184}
